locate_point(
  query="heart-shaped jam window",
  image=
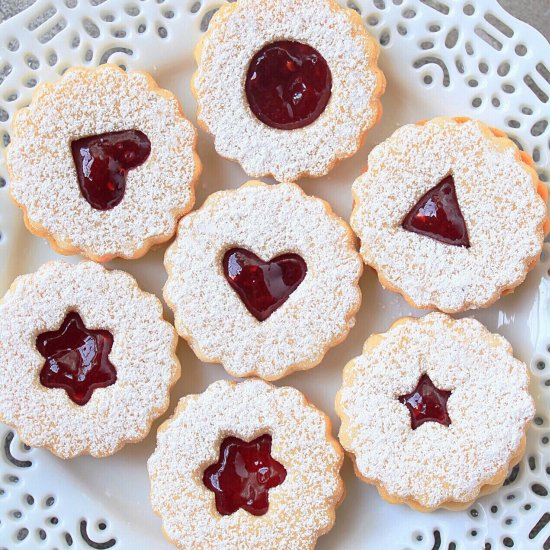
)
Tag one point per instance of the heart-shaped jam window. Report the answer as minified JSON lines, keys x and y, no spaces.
{"x":77,"y":359}
{"x":263,"y":286}
{"x":437,"y":215}
{"x":103,"y":161}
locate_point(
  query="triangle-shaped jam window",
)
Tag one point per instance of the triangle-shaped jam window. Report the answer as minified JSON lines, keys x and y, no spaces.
{"x":437,"y":215}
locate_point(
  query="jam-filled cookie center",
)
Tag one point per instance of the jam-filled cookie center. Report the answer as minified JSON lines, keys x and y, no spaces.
{"x":437,"y":215}
{"x":103,"y":161}
{"x":77,"y":359}
{"x":288,"y":85}
{"x":243,"y":475}
{"x":263,"y":286}
{"x":427,"y":403}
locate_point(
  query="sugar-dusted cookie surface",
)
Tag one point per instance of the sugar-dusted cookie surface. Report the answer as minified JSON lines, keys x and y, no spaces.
{"x":86,"y":359}
{"x":301,"y":466}
{"x":73,"y":134}
{"x":450,"y":213}
{"x":434,"y":412}
{"x":225,"y":81}
{"x":240,"y":300}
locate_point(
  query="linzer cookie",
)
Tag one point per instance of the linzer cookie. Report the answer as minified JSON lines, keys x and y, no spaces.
{"x":246,"y":465}
{"x":450,"y":213}
{"x":263,"y":279}
{"x":434,"y":412}
{"x":86,"y":359}
{"x":287,"y":88}
{"x":103,"y":163}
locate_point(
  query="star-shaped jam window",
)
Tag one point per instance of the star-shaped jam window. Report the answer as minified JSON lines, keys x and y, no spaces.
{"x":77,"y":359}
{"x":427,"y":403}
{"x":243,"y":475}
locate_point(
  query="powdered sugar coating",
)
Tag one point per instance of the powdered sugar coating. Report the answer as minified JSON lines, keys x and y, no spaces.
{"x":434,"y":465}
{"x":300,"y":509}
{"x":143,"y":355}
{"x":43,"y":179}
{"x":497,"y":194}
{"x":267,"y":220}
{"x":237,"y":31}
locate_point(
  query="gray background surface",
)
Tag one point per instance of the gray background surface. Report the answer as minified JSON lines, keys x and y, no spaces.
{"x":534,"y":12}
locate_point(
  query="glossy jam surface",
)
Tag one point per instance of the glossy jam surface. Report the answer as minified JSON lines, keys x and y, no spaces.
{"x":288,"y":85}
{"x":263,"y":286}
{"x":437,"y":215}
{"x":77,"y":359}
{"x":103,"y":161}
{"x":426,"y":403}
{"x":243,"y":475}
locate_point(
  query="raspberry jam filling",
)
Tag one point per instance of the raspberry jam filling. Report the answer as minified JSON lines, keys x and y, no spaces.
{"x":77,"y":359}
{"x":243,"y":475}
{"x":288,"y":85}
{"x":262,"y":286}
{"x":426,"y":403}
{"x":437,"y":215}
{"x":103,"y":161}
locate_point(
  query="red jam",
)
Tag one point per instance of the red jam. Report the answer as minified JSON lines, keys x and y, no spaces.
{"x":263,"y":286}
{"x":103,"y":161}
{"x":288,"y":85}
{"x":437,"y":215}
{"x":243,"y":475}
{"x":426,"y":403}
{"x":77,"y":359}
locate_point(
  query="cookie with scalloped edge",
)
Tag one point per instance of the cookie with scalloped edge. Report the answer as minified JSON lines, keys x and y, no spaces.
{"x":450,"y":213}
{"x":225,"y":434}
{"x":103,"y":163}
{"x":86,"y":359}
{"x":263,"y":279}
{"x":434,"y":412}
{"x":324,"y":60}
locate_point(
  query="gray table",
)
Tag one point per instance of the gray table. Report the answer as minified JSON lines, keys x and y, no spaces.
{"x":534,"y":12}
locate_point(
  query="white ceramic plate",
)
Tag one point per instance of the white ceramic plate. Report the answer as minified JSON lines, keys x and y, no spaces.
{"x":441,"y":57}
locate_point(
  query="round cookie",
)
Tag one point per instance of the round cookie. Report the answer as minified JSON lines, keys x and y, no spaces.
{"x":287,"y":88}
{"x":246,"y":465}
{"x":103,"y":163}
{"x":86,"y":359}
{"x":450,"y":214}
{"x":263,"y":279}
{"x":434,"y":412}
